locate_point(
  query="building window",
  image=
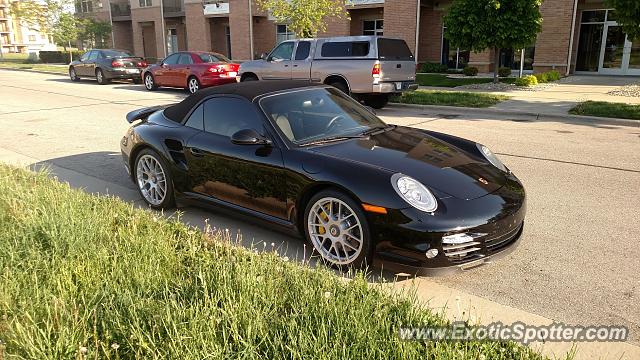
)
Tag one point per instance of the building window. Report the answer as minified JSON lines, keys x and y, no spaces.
{"x":372,"y":27}
{"x":84,"y":6}
{"x":145,"y":3}
{"x":283,"y":34}
{"x":32,"y":38}
{"x":511,"y":58}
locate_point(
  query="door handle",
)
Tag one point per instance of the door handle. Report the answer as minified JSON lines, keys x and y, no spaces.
{"x":286,"y":65}
{"x":295,"y":65}
{"x":196,"y":152}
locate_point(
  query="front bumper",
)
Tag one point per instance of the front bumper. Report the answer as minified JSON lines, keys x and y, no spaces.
{"x":392,"y":87}
{"x":404,"y":236}
{"x":124,"y":73}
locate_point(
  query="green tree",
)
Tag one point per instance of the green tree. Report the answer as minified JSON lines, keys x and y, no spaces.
{"x":95,"y":32}
{"x":628,"y":15}
{"x":66,"y":30}
{"x":479,"y":25}
{"x":43,"y":14}
{"x":306,"y":18}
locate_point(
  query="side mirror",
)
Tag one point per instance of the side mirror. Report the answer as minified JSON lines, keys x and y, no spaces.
{"x":249,"y":137}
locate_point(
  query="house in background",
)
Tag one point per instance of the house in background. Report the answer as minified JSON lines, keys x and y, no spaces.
{"x":578,"y":36}
{"x":18,"y":37}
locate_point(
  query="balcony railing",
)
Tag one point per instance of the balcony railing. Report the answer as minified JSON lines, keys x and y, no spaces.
{"x":364,"y":2}
{"x":216,"y":8}
{"x":120,"y":9}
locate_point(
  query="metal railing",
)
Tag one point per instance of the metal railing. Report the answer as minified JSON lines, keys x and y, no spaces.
{"x":120,"y":9}
{"x":173,"y":6}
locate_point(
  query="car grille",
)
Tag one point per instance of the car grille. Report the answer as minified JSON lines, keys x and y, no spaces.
{"x":464,"y":251}
{"x":498,"y":242}
{"x":480,"y":247}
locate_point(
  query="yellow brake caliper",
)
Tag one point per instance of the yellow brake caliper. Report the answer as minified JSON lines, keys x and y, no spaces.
{"x":325,"y":217}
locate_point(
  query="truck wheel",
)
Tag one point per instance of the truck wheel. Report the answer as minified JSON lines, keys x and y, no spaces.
{"x":377,"y":101}
{"x":340,"y":85}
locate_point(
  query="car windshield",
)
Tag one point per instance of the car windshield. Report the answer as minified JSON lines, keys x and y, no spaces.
{"x":115,"y":53}
{"x":213,"y":58}
{"x":317,"y":114}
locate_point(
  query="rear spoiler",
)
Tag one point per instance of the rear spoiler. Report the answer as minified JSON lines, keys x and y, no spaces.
{"x":144,"y":113}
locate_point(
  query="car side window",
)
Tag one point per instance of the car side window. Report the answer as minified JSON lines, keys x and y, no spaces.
{"x":85,"y":56}
{"x":225,"y":116}
{"x":196,"y":119}
{"x":171,"y":60}
{"x":93,"y":55}
{"x":185,"y":59}
{"x":302,"y":52}
{"x":283,"y":51}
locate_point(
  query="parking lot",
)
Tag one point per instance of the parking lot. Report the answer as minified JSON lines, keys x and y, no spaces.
{"x":577,"y":262}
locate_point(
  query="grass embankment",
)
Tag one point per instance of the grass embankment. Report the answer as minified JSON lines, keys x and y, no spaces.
{"x":19,"y":62}
{"x":607,"y":109}
{"x":93,"y":277}
{"x":449,"y":98}
{"x":442,"y":80}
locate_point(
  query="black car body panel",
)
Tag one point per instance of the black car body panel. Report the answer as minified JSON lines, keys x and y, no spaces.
{"x":130,"y":67}
{"x":274,"y":183}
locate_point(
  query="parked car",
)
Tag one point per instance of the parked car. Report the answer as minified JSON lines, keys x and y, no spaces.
{"x":370,"y":68}
{"x":310,"y":159}
{"x":191,"y":70}
{"x":107,"y":64}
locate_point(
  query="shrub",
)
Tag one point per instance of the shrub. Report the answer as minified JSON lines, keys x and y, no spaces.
{"x":470,"y":71}
{"x":542,"y":77}
{"x":553,"y":75}
{"x":433,"y":68}
{"x":62,"y":57}
{"x":504,"y":72}
{"x":527,"y":80}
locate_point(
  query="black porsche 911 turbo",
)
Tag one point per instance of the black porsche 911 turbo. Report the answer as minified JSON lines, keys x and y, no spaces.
{"x":309,"y":159}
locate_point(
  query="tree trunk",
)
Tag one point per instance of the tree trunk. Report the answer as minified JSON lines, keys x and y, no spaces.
{"x":496,"y":64}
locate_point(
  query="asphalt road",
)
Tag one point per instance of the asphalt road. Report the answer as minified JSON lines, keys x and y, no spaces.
{"x":578,"y":260}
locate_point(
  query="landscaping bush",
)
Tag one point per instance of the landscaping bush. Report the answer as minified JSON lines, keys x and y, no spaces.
{"x":433,"y":68}
{"x":92,"y":277}
{"x":527,"y":80}
{"x":553,"y":75}
{"x":470,"y":71}
{"x":58,"y":57}
{"x":542,"y":77}
{"x":504,"y":72}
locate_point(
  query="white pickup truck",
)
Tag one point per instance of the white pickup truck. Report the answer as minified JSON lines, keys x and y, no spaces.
{"x":369,"y":68}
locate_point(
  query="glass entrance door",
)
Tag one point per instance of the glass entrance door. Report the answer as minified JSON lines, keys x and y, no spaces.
{"x":634,"y":58}
{"x":613,"y":51}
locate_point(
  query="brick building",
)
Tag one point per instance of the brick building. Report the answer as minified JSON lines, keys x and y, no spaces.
{"x":577,"y":35}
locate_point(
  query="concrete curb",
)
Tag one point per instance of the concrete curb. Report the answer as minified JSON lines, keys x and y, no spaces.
{"x":533,"y":115}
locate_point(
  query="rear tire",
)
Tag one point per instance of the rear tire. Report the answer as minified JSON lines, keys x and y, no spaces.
{"x":340,"y":85}
{"x":337,"y":229}
{"x":377,"y":101}
{"x":193,"y":84}
{"x":249,"y":78}
{"x":73,"y":75}
{"x":149,"y":82}
{"x":102,"y":80}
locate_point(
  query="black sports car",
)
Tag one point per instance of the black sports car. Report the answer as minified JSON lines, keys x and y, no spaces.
{"x":310,"y":159}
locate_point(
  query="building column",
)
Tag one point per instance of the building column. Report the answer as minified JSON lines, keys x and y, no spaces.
{"x":430,"y":42}
{"x":400,"y":21}
{"x":552,"y":45}
{"x":198,"y":29}
{"x":239,"y":26}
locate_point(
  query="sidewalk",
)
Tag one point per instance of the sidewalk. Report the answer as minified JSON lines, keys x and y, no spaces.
{"x":561,"y":96}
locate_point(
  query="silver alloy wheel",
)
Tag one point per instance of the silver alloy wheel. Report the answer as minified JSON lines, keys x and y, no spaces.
{"x":335,"y":231}
{"x":99,"y":76}
{"x":148,"y":81}
{"x":72,"y":73}
{"x":151,"y":180}
{"x":193,"y":85}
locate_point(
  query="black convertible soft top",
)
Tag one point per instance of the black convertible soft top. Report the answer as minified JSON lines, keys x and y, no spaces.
{"x":247,"y":89}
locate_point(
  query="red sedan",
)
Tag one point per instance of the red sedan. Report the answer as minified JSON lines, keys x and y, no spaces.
{"x":191,"y":70}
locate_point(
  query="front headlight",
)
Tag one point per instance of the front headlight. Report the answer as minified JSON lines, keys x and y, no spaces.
{"x":413,"y":192}
{"x":491,"y":157}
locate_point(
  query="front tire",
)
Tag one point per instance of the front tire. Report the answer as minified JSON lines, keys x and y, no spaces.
{"x":149,"y":82}
{"x":153,"y":180}
{"x":73,"y":75}
{"x":102,"y":80}
{"x":337,"y":229}
{"x":193,"y":85}
{"x":377,"y":101}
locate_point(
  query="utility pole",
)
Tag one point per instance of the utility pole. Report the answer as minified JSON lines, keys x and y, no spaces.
{"x":521,"y":63}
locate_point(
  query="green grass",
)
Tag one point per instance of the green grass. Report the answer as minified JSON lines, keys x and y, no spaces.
{"x":34,"y":67}
{"x":607,"y":109}
{"x":442,"y":80}
{"x":14,"y":57}
{"x":92,"y":277}
{"x":449,"y":98}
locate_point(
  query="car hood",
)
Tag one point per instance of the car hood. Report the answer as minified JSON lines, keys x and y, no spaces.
{"x":435,"y":163}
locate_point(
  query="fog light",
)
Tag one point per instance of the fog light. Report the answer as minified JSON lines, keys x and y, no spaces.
{"x":430,"y":254}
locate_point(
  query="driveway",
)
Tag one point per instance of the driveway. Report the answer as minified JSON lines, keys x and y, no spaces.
{"x":577,"y":262}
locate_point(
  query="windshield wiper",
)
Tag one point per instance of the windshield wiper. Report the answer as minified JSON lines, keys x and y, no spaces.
{"x":378,"y":130}
{"x":334,"y":138}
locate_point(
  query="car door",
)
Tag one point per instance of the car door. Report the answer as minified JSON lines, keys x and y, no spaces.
{"x":278,"y":63}
{"x":301,"y":63}
{"x":164,"y":72}
{"x":80,"y":70}
{"x":182,"y":69}
{"x":247,"y":176}
{"x":90,"y":64}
